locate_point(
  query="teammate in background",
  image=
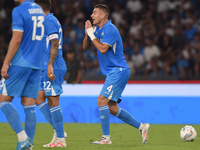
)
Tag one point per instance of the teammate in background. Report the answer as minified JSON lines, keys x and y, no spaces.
{"x":107,"y":40}
{"x":22,"y":68}
{"x":54,"y":69}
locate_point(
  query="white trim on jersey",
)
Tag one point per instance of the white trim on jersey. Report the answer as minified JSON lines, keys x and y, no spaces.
{"x":17,"y":30}
{"x":110,"y":96}
{"x":114,"y":47}
{"x":47,"y":41}
{"x":107,"y":43}
{"x":53,"y":93}
{"x":4,"y":92}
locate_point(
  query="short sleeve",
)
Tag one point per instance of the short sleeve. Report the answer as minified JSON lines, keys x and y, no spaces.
{"x":51,"y":27}
{"x":110,"y":35}
{"x":17,"y":20}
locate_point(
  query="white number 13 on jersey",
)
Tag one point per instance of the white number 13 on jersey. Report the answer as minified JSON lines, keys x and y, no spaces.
{"x":36,"y":25}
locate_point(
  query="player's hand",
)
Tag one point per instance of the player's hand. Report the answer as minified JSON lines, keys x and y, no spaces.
{"x":4,"y":71}
{"x":50,"y":73}
{"x":88,"y":24}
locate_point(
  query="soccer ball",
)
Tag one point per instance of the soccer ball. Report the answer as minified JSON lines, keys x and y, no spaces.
{"x":188,"y":133}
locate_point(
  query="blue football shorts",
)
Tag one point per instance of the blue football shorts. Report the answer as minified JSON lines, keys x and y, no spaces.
{"x":22,"y":81}
{"x":52,"y":88}
{"x":115,"y":83}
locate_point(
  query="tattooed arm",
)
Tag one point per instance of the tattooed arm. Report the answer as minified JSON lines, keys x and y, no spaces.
{"x":53,"y":55}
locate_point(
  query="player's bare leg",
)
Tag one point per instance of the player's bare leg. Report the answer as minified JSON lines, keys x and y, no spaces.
{"x":59,"y":138}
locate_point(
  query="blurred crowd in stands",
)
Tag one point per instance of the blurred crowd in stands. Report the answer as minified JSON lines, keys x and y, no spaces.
{"x":160,"y":37}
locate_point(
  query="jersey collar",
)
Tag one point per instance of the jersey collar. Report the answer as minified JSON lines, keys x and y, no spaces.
{"x":49,"y":14}
{"x":27,"y":1}
{"x":108,"y":22}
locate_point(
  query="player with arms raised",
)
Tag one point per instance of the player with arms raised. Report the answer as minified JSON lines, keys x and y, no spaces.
{"x":107,"y":40}
{"x":22,"y":68}
{"x":53,"y":72}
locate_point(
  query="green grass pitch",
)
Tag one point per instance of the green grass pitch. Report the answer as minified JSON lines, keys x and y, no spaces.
{"x":123,"y":136}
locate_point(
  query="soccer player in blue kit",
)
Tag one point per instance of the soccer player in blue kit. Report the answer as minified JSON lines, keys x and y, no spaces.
{"x":53,"y":72}
{"x":106,"y":38}
{"x":22,"y":68}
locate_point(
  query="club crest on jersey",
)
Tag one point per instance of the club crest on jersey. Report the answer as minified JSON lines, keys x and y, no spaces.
{"x":102,"y":33}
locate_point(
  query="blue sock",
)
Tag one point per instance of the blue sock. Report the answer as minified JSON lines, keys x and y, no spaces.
{"x":57,"y":116}
{"x":30,"y":120}
{"x":44,"y":108}
{"x":105,"y":116}
{"x":12,"y":116}
{"x":127,"y":118}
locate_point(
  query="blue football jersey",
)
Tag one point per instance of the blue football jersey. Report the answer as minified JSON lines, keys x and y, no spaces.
{"x":114,"y":57}
{"x":28,"y":18}
{"x":53,"y":30}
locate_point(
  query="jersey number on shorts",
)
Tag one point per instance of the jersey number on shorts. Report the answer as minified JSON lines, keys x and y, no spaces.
{"x":109,"y":88}
{"x":37,"y":23}
{"x":47,"y":85}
